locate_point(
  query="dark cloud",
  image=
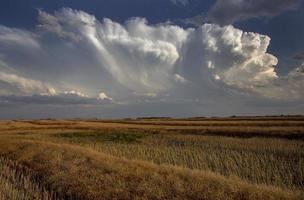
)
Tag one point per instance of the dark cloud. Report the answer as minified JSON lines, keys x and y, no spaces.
{"x":196,"y":20}
{"x":299,"y":56}
{"x":230,"y":11}
{"x":60,"y":99}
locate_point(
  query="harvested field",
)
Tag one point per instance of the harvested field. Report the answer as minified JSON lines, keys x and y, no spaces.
{"x":152,"y":159}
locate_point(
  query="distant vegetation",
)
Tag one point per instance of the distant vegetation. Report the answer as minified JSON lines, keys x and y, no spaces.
{"x":152,"y":159}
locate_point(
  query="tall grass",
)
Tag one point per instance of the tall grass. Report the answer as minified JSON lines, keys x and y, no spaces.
{"x":267,"y":161}
{"x":97,"y":176}
{"x":95,"y":160}
{"x":18,"y":183}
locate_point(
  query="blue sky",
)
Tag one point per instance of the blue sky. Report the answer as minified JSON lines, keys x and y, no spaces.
{"x":24,"y":14}
{"x":115,"y":58}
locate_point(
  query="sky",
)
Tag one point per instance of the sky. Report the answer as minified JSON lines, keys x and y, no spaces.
{"x":149,"y":58}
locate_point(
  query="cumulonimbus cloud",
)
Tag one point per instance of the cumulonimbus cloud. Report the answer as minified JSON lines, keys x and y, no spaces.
{"x":139,"y":58}
{"x":137,"y":55}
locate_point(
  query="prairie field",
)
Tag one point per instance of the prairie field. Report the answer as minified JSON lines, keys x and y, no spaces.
{"x":153,"y":158}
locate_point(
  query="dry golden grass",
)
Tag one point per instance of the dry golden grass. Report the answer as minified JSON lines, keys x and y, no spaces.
{"x":18,"y":183}
{"x":265,"y":161}
{"x":92,"y":175}
{"x":285,"y":127}
{"x":122,"y":160}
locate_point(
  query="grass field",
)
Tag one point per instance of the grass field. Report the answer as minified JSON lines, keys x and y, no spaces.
{"x":153,"y":158}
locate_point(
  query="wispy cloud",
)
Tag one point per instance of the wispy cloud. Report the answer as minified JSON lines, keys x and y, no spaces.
{"x":180,"y":2}
{"x":230,"y":11}
{"x":17,"y":37}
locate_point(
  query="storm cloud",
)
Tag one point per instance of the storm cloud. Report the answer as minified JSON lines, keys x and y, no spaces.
{"x":71,"y":50}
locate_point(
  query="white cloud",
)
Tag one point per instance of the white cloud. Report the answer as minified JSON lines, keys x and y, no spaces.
{"x":178,"y":78}
{"x":17,"y":37}
{"x":103,"y":96}
{"x":240,"y":58}
{"x":20,"y":84}
{"x":216,"y":77}
{"x":139,"y":58}
{"x":23,"y":84}
{"x":51,"y":91}
{"x":53,"y":24}
{"x":76,"y":93}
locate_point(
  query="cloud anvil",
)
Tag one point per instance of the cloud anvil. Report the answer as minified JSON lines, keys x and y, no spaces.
{"x":72,"y":50}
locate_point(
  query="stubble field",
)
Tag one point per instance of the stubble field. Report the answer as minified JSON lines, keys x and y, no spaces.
{"x":153,"y":158}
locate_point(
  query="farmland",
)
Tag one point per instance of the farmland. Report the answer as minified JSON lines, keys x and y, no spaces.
{"x":153,"y":158}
